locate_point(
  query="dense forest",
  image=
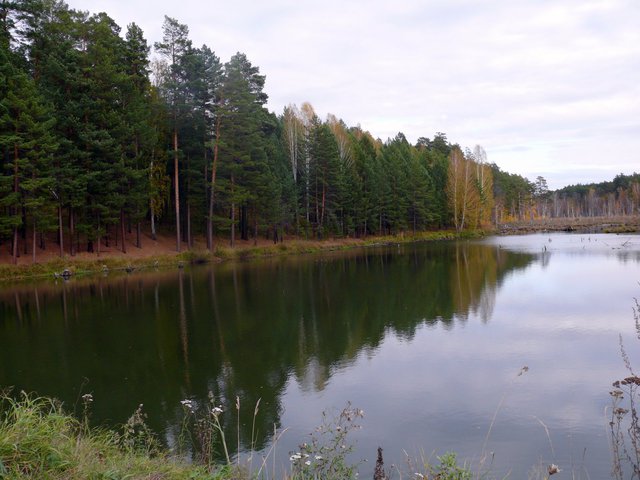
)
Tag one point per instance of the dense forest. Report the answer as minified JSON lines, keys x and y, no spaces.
{"x":98,"y":142}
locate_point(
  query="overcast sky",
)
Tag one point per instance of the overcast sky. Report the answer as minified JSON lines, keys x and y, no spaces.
{"x":547,"y":87}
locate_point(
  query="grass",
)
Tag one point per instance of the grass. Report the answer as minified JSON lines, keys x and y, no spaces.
{"x":624,"y":416}
{"x":39,"y":441}
{"x":79,"y":267}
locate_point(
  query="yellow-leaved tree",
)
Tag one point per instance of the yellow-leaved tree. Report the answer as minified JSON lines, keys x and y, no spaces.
{"x":469,"y":188}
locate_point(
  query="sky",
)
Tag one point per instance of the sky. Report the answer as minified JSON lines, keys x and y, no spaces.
{"x":547,"y":87}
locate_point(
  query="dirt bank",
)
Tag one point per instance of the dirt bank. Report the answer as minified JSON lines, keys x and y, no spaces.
{"x":162,"y":253}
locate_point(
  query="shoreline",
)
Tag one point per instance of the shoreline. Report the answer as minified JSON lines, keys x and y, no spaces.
{"x":91,"y":264}
{"x":627,"y":224}
{"x":154,"y":257}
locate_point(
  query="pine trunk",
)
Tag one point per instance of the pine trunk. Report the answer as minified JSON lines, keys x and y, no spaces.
{"x":14,"y":246}
{"x":189,"y":239}
{"x":152,"y":214}
{"x":99,"y":237}
{"x":213,"y":185}
{"x":23,"y":231}
{"x":176,"y":188}
{"x":154,"y":236}
{"x":60,"y":231}
{"x":244,"y":223}
{"x":324,"y":201}
{"x":255,"y":230}
{"x":72,"y":232}
{"x":34,"y":243}
{"x":14,"y":250}
{"x":122,"y":232}
{"x":233,"y":215}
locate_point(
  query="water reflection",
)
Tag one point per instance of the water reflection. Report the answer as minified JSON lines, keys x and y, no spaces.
{"x":237,"y":330}
{"x":426,"y":338}
{"x":625,"y":248}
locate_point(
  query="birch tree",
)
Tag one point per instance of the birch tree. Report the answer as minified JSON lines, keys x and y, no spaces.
{"x":461,"y":188}
{"x":484,"y":185}
{"x":293,"y":132}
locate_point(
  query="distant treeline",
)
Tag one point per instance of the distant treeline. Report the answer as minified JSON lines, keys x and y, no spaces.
{"x":98,"y":142}
{"x":520,"y":199}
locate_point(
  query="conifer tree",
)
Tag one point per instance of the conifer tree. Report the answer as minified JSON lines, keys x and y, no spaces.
{"x":394,"y":159}
{"x":241,"y":137}
{"x":327,"y":182}
{"x":366,"y":193}
{"x":174,"y":48}
{"x":141,"y":138}
{"x":27,"y":146}
{"x":56,"y":50}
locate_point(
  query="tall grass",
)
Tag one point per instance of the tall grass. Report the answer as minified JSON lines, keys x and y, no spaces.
{"x":624,"y":422}
{"x":39,"y":441}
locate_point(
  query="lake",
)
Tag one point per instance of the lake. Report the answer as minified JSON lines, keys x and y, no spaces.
{"x":429,"y":339}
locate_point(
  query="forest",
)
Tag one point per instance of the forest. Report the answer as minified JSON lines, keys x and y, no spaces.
{"x":104,"y":136}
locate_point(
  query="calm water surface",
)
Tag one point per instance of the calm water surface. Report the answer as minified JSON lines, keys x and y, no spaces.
{"x":428,"y":339}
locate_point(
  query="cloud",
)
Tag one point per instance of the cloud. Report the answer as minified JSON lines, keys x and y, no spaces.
{"x":508,"y":75}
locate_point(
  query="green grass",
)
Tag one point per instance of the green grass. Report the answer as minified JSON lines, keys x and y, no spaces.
{"x":39,"y":441}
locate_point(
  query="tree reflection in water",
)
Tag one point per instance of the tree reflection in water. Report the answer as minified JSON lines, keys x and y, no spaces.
{"x":242,"y":329}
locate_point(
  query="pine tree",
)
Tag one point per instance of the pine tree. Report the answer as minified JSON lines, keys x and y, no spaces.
{"x":395,"y":187}
{"x":366,"y":193}
{"x":421,"y":195}
{"x":203,"y":72}
{"x":241,"y":140}
{"x":140,"y":140}
{"x":27,"y":146}
{"x":174,"y":48}
{"x":207,"y":78}
{"x":326,"y":180}
{"x":104,"y":130}
{"x":56,"y":40}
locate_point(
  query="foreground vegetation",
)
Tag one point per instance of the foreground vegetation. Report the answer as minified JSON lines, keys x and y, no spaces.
{"x":624,"y":416}
{"x":38,"y":440}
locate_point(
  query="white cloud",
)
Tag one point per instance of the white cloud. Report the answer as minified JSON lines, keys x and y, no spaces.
{"x":548,"y":88}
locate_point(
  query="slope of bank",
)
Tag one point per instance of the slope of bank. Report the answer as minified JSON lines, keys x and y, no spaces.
{"x":161,"y":253}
